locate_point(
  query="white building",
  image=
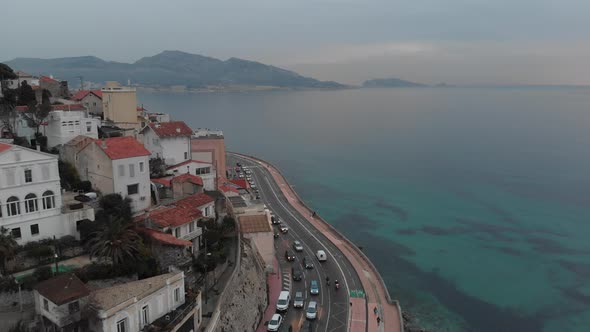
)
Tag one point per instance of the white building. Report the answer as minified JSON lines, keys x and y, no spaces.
{"x":22,"y":76}
{"x":117,"y":165}
{"x":203,"y":169}
{"x":31,"y":202}
{"x":170,"y":141}
{"x":62,"y":126}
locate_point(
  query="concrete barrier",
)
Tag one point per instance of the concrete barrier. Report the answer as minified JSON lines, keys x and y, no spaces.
{"x":339,"y":235}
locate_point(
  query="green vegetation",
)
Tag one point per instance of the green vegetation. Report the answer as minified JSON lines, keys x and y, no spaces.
{"x":43,"y":273}
{"x":8,"y":248}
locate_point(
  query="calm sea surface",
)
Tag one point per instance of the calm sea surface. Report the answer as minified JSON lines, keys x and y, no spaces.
{"x":473,"y":203}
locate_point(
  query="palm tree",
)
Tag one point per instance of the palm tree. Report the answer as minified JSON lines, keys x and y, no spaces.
{"x":8,"y":247}
{"x":117,"y":240}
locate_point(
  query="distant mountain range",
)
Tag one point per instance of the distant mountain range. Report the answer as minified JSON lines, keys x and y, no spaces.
{"x":391,"y":83}
{"x":171,"y":68}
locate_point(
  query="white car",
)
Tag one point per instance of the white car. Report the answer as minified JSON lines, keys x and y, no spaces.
{"x":312,"y":310}
{"x":275,"y":323}
{"x":321,"y":255}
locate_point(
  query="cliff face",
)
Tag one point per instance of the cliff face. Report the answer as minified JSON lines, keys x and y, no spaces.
{"x":244,"y":306}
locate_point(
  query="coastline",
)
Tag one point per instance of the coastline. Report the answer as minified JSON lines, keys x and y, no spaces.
{"x":232,"y":89}
{"x":377,"y":294}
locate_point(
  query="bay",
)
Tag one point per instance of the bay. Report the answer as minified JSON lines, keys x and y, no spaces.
{"x":474,"y":203}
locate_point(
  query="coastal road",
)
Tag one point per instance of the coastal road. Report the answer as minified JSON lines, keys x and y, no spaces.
{"x":333,"y":304}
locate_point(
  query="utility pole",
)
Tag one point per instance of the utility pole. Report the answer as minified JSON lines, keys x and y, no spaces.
{"x":81,"y":82}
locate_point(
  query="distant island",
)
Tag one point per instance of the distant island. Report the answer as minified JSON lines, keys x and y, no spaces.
{"x":391,"y":83}
{"x":174,"y":70}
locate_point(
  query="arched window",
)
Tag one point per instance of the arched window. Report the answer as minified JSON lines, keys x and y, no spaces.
{"x":13,"y":206}
{"x":31,"y":203}
{"x":48,"y":200}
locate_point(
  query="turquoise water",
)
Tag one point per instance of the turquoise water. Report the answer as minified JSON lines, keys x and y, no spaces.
{"x":473,"y":203}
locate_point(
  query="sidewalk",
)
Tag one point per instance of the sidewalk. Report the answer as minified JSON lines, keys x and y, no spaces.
{"x":375,"y":292}
{"x":275,"y":286}
{"x":64,"y":266}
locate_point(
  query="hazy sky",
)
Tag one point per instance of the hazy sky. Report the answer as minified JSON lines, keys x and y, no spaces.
{"x":456,"y":41}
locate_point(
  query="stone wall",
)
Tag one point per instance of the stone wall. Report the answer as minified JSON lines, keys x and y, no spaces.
{"x":243,"y":307}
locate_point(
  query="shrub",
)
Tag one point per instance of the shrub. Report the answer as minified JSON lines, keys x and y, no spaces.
{"x":42,"y":273}
{"x":40,"y":252}
{"x":28,"y":282}
{"x":8,"y":284}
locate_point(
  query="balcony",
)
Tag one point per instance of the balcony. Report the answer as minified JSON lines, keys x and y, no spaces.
{"x":192,"y":235}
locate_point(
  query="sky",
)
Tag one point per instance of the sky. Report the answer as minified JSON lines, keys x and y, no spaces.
{"x":429,"y":41}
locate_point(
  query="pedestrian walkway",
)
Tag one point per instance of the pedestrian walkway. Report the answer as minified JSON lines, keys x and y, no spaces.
{"x":275,"y":286}
{"x":64,"y":266}
{"x":375,"y":293}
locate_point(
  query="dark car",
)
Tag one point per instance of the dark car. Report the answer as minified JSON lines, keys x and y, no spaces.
{"x":289,"y":255}
{"x":275,"y":220}
{"x":307,"y":263}
{"x":283,"y":229}
{"x":238,"y":164}
{"x":297,"y":273}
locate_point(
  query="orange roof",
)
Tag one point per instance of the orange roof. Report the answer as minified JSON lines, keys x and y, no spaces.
{"x":122,"y":147}
{"x":188,"y":178}
{"x":226,"y":188}
{"x":164,"y":237}
{"x":83,"y":93}
{"x":47,"y":79}
{"x":163,"y":181}
{"x":240,"y":183}
{"x":254,"y":224}
{"x":4,"y":147}
{"x":197,"y":200}
{"x":171,"y":129}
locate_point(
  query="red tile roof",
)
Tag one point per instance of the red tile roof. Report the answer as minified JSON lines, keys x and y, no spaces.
{"x":240,"y":183}
{"x":178,"y":213}
{"x":83,"y":93}
{"x":171,"y":129}
{"x":225,"y":189}
{"x":63,"y":289}
{"x":163,"y":181}
{"x":121,"y":147}
{"x":47,"y":79}
{"x":4,"y":147}
{"x":188,"y":162}
{"x":197,"y":200}
{"x":188,"y":178}
{"x":164,"y":237}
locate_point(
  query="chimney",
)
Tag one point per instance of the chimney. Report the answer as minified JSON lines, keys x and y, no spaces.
{"x":38,"y":147}
{"x":177,"y":130}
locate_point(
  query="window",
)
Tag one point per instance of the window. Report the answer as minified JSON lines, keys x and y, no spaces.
{"x":131,"y":170}
{"x":94,"y":104}
{"x":206,"y":211}
{"x":122,"y":325}
{"x":74,"y":307}
{"x":177,"y":295}
{"x":121,"y":170}
{"x":141,"y":166}
{"x":185,"y":155}
{"x":132,"y":189}
{"x":48,"y":200}
{"x":203,"y":170}
{"x":145,"y":315}
{"x":88,"y":128}
{"x":16,"y":232}
{"x":31,"y":203}
{"x":177,"y":232}
{"x":46,"y":304}
{"x":28,"y":176}
{"x":35,"y":229}
{"x":191,"y":227}
{"x":13,"y":206}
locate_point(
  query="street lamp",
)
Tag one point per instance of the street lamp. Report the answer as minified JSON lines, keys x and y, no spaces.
{"x":56,"y":266}
{"x":20,"y":297}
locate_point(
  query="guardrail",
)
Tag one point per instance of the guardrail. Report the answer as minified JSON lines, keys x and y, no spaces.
{"x":342,"y":237}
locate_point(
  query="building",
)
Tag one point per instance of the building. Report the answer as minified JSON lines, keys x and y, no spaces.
{"x":117,"y":165}
{"x":59,"y":302}
{"x":208,"y":145}
{"x":32,"y":206}
{"x":91,"y":99}
{"x":257,"y":228}
{"x":57,"y":89}
{"x":119,"y":105}
{"x":203,"y":169}
{"x":170,"y":141}
{"x":21,"y":77}
{"x":158,"y":117}
{"x":63,"y":126}
{"x":160,"y":303}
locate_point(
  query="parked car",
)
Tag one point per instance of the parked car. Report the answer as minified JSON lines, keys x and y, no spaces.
{"x":312,"y":310}
{"x":298,"y":300}
{"x":297,"y":273}
{"x":314,"y":287}
{"x":307,"y":263}
{"x":274,"y":323}
{"x":283,"y":229}
{"x":289,"y":256}
{"x":283,"y":301}
{"x":297,"y":246}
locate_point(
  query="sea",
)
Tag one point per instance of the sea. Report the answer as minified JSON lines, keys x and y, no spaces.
{"x":473,"y":203}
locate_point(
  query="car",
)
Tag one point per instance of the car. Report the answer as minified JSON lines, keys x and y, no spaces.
{"x":307,"y":326}
{"x":314,"y":287}
{"x":257,"y":196}
{"x":297,"y":246}
{"x":241,"y":176}
{"x":283,"y":301}
{"x":297,"y":273}
{"x":298,"y":300}
{"x":274,"y":323}
{"x":289,"y":256}
{"x":312,"y":310}
{"x":284,"y":229}
{"x":307,"y":263}
{"x":275,"y":220}
{"x":238,"y":164}
{"x":253,"y":186}
{"x":321,"y":255}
